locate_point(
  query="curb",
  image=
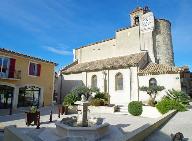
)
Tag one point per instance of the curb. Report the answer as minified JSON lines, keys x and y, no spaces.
{"x":141,"y":135}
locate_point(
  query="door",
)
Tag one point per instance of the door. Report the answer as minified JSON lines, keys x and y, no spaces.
{"x":6,"y":99}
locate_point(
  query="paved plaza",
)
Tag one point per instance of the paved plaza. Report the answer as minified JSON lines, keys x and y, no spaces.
{"x":122,"y":125}
{"x":181,"y":122}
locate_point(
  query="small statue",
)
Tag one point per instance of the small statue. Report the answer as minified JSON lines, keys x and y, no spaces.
{"x":177,"y":137}
{"x":83,"y":98}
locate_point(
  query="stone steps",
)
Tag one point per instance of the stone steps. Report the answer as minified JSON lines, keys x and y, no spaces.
{"x":123,"y":109}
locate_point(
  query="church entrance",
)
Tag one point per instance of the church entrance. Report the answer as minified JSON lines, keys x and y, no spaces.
{"x":6,"y":99}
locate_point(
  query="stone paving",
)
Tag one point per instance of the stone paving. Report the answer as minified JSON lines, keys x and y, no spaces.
{"x":181,"y":122}
{"x":121,"y":124}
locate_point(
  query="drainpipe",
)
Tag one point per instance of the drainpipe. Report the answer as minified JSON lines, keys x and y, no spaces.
{"x":108,"y":87}
{"x":138,"y":81}
{"x":130,"y":82}
{"x":61,"y":84}
{"x":86,"y":78}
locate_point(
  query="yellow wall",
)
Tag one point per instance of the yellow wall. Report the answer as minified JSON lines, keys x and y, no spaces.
{"x":45,"y":80}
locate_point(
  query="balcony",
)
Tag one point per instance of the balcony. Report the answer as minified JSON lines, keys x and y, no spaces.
{"x":16,"y":76}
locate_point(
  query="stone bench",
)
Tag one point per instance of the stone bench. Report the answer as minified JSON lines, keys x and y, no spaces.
{"x":11,"y":133}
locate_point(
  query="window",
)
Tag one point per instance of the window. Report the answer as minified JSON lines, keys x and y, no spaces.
{"x":136,"y":20}
{"x":152,"y":82}
{"x":118,"y":81}
{"x":4,"y":66}
{"x":34,"y":69}
{"x":29,"y":96}
{"x":94,"y":81}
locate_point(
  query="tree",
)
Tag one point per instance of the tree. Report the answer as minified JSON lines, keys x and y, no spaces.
{"x":152,"y":91}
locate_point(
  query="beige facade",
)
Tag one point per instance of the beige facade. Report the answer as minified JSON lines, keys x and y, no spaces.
{"x":21,"y":78}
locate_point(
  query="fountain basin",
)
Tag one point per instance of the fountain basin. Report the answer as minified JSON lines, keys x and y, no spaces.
{"x":90,"y":133}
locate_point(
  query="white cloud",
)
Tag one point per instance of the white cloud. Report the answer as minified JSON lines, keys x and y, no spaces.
{"x":58,"y":50}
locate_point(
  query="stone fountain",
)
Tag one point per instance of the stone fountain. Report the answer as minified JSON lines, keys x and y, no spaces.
{"x":80,"y":126}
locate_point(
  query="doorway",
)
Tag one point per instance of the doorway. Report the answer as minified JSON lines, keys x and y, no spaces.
{"x":29,"y":96}
{"x":6,"y":99}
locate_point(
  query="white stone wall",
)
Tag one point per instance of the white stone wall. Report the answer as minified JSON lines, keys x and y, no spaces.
{"x":119,"y":97}
{"x":97,"y":51}
{"x":169,"y":81}
{"x":100,"y":79}
{"x":125,"y":43}
{"x":147,"y":44}
{"x":128,"y":41}
{"x":130,"y":84}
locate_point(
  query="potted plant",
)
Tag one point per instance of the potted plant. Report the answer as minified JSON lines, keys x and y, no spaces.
{"x":32,"y":116}
{"x":152,"y":91}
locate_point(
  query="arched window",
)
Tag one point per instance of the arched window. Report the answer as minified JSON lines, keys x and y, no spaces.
{"x":94,"y":81}
{"x":119,"y":81}
{"x":136,"y":20}
{"x":152,"y":82}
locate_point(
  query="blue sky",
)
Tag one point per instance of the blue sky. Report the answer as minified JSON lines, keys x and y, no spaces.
{"x":51,"y":29}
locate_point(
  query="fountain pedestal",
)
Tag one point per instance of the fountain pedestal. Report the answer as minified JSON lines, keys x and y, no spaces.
{"x":81,"y":128}
{"x":82,"y":113}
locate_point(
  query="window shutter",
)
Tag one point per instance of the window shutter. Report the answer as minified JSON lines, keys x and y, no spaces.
{"x":38,"y":69}
{"x":11,"y":68}
{"x":31,"y":69}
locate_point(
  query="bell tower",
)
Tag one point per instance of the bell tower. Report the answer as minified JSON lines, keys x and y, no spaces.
{"x":136,"y":14}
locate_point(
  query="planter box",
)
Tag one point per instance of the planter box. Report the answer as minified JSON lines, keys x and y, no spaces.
{"x":102,"y":109}
{"x":32,"y":117}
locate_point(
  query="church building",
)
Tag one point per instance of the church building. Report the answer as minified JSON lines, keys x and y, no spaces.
{"x":138,"y":55}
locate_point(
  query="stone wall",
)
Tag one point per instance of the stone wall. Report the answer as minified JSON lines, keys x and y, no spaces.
{"x":121,"y":97}
{"x":169,"y":81}
{"x":163,"y":42}
{"x":126,"y":42}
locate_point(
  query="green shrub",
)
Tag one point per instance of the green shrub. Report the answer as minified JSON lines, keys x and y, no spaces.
{"x":94,"y":89}
{"x":78,"y":91}
{"x":97,"y":102}
{"x":166,"y":104}
{"x":152,"y":91}
{"x":33,"y":109}
{"x":135,"y":108}
{"x":101,"y":96}
{"x":70,"y":99}
{"x":178,"y":106}
{"x":178,"y":96}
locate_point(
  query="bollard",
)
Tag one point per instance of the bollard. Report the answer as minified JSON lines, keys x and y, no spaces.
{"x":50,"y":119}
{"x":38,"y":121}
{"x":62,"y":110}
{"x":59,"y":112}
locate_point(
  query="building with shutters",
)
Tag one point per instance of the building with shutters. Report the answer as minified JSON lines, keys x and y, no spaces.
{"x":25,"y":80}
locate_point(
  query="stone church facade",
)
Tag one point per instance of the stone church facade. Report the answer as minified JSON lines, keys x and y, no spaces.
{"x":135,"y":57}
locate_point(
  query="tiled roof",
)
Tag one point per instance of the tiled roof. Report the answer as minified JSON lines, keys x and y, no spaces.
{"x":110,"y":63}
{"x":155,"y":69}
{"x":25,"y":56}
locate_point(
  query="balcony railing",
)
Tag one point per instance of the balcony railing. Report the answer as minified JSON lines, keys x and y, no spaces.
{"x":16,"y":75}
